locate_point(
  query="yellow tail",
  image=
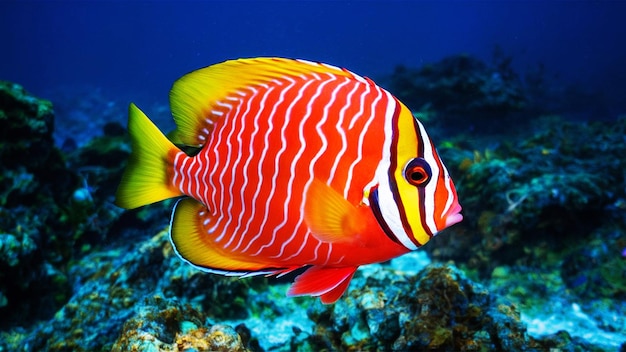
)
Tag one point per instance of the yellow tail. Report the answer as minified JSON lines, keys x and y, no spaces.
{"x":146,"y":179}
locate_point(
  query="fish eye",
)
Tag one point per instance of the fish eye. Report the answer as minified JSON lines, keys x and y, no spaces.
{"x":417,"y":172}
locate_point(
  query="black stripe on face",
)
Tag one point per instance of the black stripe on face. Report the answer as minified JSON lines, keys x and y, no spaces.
{"x":422,"y":204}
{"x":420,"y":141}
{"x":373,"y":198}
{"x":392,"y":179}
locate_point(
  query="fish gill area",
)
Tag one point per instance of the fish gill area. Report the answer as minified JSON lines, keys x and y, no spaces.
{"x":538,"y":263}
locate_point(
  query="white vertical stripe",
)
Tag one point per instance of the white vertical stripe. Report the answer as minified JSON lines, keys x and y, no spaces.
{"x":186,"y":167}
{"x":243,"y":117}
{"x":220,"y":165}
{"x":362,"y":135}
{"x":306,"y":239}
{"x":316,"y":251}
{"x":281,"y":99}
{"x":177,"y":171}
{"x":339,"y":260}
{"x":215,"y":142}
{"x":431,"y":187}
{"x":205,"y":182}
{"x":294,"y":162}
{"x":341,"y":131}
{"x":358,"y":115}
{"x":386,"y":201}
{"x":251,"y":216}
{"x":196,"y":179}
{"x":226,"y":214}
{"x":328,"y":253}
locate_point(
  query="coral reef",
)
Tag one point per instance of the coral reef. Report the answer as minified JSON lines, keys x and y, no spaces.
{"x":161,"y":325}
{"x":33,"y":181}
{"x":438,"y":309}
{"x":461,"y":91}
{"x":144,"y":297}
{"x":54,"y":208}
{"x":533,"y":200}
{"x":544,"y":217}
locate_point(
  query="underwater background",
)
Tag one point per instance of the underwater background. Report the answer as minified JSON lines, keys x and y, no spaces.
{"x":525,"y":101}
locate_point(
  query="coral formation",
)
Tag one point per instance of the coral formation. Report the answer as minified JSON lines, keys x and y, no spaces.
{"x":137,"y":293}
{"x":532,"y":200}
{"x":33,"y":181}
{"x":438,"y":309}
{"x":462,"y":91}
{"x":167,"y":325}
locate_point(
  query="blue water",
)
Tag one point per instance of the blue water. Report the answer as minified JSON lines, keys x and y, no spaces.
{"x":138,"y":48}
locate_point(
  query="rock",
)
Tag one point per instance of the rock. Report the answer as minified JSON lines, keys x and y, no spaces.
{"x":438,"y":309}
{"x":164,"y":324}
{"x":461,"y":91}
{"x":140,"y":297}
{"x":34,"y":186}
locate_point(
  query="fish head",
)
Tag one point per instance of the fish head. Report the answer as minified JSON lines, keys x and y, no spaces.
{"x":414,"y":197}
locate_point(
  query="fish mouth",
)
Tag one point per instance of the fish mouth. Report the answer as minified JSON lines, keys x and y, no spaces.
{"x":454,"y":215}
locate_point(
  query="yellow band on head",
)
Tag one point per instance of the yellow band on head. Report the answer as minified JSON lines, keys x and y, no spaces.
{"x":408,"y":195}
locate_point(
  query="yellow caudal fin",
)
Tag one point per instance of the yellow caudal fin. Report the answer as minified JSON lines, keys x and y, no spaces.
{"x":195,"y":245}
{"x":194,"y":96}
{"x":145,"y":179}
{"x":330,"y":217}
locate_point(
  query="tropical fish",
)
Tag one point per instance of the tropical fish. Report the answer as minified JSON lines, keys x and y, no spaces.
{"x":301,"y":165}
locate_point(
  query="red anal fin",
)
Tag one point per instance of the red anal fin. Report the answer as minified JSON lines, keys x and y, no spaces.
{"x":333,"y":295}
{"x":329,"y":283}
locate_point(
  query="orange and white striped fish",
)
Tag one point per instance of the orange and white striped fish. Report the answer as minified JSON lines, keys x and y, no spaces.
{"x":301,"y":164}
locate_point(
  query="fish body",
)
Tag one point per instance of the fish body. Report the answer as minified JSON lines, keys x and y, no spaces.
{"x":300,"y":164}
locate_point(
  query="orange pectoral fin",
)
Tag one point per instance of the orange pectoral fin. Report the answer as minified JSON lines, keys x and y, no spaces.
{"x":329,"y":283}
{"x":330,"y":217}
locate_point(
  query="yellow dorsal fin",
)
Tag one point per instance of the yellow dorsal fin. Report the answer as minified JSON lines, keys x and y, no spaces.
{"x":193,"y":96}
{"x":330,"y":217}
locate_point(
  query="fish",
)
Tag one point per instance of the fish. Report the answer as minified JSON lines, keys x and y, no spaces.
{"x":287,"y":165}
